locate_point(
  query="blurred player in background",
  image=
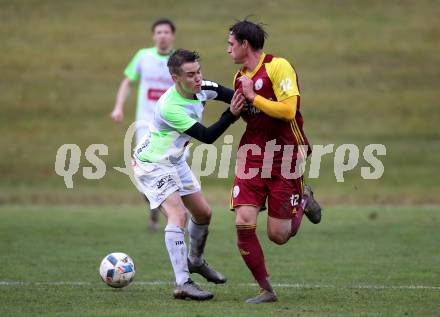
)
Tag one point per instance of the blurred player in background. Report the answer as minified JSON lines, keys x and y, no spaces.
{"x":149,"y":68}
{"x":270,"y":86}
{"x":165,"y":177}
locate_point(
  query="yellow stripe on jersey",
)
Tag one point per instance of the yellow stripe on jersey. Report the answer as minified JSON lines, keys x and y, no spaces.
{"x":298,"y":131}
{"x":235,"y":78}
{"x":283,"y":78}
{"x":231,"y":200}
{"x":300,"y":141}
{"x":299,"y":138}
{"x":251,"y":74}
{"x":297,"y":135}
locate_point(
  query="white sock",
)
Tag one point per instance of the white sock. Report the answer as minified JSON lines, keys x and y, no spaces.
{"x":197,"y":240}
{"x":175,"y":242}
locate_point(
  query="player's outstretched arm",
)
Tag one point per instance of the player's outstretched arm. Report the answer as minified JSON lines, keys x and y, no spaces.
{"x":212,"y":133}
{"x":215,"y":91}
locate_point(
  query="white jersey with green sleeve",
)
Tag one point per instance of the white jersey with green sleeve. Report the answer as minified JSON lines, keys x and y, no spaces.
{"x":173,"y":116}
{"x":150,"y":69}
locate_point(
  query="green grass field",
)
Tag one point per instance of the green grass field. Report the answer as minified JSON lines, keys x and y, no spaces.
{"x":369,"y":73}
{"x":357,"y":262}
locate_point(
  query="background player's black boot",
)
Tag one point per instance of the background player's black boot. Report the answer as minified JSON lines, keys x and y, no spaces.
{"x":312,"y":209}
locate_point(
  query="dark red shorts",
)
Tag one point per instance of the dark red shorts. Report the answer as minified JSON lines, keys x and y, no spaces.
{"x":283,"y":195}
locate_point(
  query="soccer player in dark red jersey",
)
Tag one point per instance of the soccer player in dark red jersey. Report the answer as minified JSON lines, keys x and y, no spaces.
{"x":274,"y":124}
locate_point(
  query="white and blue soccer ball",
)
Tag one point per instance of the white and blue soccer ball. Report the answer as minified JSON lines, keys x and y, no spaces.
{"x":117,"y":269}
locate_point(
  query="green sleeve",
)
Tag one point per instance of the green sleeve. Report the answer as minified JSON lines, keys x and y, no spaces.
{"x":131,"y":71}
{"x":176,"y":117}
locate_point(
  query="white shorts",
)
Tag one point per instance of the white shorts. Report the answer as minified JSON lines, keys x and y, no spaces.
{"x":158,"y":181}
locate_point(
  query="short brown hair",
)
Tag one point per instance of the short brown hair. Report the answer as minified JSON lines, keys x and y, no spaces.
{"x":180,"y":57}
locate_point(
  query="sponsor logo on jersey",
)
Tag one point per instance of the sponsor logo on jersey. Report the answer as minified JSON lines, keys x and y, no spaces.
{"x":155,"y":94}
{"x":143,"y":146}
{"x":252,"y":110}
{"x":258,"y":84}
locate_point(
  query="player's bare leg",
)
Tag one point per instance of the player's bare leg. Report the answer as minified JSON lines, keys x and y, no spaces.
{"x":175,"y":211}
{"x":280,"y":231}
{"x":252,"y":253}
{"x":198,"y":233}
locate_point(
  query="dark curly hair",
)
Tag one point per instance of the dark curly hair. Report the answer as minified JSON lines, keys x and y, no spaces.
{"x":252,"y":32}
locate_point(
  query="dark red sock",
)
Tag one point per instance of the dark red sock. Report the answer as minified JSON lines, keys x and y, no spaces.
{"x":252,"y":253}
{"x":297,"y":217}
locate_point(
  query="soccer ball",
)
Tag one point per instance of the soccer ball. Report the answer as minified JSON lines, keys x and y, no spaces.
{"x":117,"y":270}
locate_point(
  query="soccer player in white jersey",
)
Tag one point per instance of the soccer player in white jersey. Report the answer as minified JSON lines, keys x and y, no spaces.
{"x":164,"y":176}
{"x":149,"y":68}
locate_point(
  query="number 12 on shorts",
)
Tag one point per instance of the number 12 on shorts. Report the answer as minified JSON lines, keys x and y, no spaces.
{"x":294,"y":200}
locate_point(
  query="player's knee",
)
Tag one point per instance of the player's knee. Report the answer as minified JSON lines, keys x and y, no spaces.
{"x":203,"y":216}
{"x":240,"y":221}
{"x":177,"y":216}
{"x":207,"y":214}
{"x":246,"y":215}
{"x":182,"y":218}
{"x":278,"y":238}
{"x":243,"y":219}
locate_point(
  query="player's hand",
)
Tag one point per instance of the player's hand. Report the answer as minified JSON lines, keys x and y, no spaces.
{"x":237,"y":103}
{"x":248,"y":88}
{"x":117,"y":115}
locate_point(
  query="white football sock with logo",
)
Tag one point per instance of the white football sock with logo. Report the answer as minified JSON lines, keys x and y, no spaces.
{"x":197,"y":240}
{"x":175,"y":242}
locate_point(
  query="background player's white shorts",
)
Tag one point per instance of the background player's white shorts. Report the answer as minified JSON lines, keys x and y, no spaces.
{"x":158,"y":181}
